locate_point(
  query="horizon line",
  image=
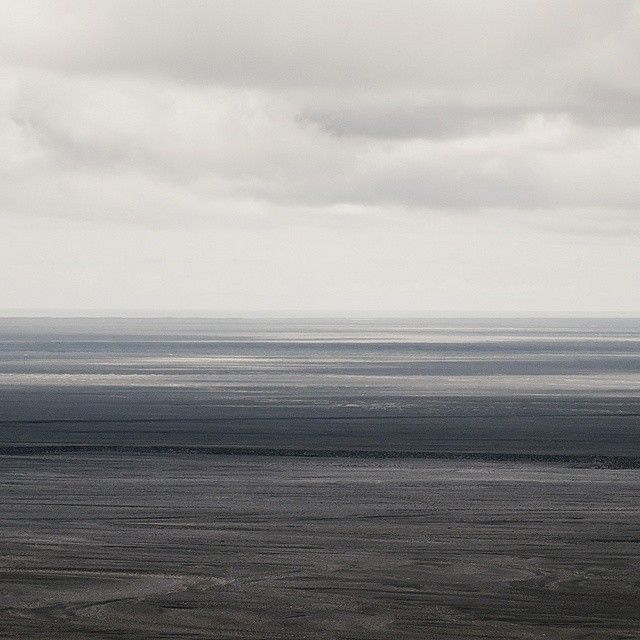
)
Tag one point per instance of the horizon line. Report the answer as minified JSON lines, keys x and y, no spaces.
{"x":300,"y":314}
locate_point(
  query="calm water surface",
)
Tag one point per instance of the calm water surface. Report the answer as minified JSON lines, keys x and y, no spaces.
{"x":548,"y":387}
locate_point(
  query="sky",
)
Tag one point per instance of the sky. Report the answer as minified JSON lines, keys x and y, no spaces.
{"x":293,"y":157}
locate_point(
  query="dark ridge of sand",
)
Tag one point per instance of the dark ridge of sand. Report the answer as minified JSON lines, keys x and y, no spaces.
{"x":595,"y":461}
{"x":256,"y":547}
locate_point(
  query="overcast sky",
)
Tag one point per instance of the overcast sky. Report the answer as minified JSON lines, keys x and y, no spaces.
{"x":387,"y":157}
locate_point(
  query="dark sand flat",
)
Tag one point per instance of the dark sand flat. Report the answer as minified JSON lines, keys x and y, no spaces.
{"x":196,"y":546}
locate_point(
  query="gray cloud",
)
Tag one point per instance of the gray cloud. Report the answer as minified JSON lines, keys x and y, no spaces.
{"x":424,"y":121}
{"x":214,"y":145}
{"x":593,"y":106}
{"x":283,"y":43}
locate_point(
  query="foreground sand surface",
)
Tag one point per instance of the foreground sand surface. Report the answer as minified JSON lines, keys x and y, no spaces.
{"x":197,"y":546}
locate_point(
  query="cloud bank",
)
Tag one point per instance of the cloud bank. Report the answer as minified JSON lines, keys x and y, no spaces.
{"x":255,"y":115}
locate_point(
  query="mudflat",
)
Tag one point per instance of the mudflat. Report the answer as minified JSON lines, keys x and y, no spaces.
{"x":213,"y":546}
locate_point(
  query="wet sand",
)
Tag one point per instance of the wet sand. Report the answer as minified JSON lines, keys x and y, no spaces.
{"x":211,"y":546}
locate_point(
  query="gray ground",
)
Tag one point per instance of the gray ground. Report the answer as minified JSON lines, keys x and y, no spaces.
{"x":196,"y":546}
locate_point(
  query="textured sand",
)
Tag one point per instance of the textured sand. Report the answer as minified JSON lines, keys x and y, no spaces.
{"x":193,"y":546}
